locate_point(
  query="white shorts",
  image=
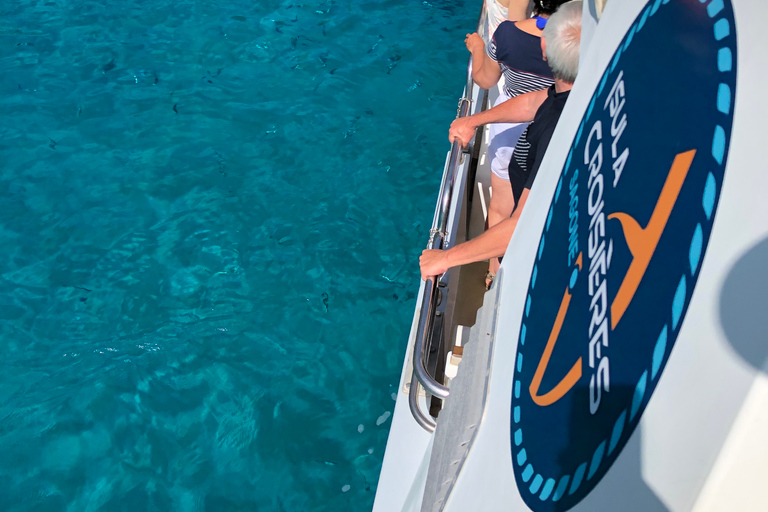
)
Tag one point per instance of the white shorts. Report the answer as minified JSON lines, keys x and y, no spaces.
{"x":503,"y":139}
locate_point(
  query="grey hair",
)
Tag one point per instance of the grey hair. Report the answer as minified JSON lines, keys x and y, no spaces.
{"x":563,"y":35}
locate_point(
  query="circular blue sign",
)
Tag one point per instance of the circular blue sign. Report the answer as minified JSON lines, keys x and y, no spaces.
{"x":623,"y":243}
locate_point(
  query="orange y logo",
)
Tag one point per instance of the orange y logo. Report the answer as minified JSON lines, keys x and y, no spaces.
{"x":573,"y":375}
{"x":642,"y":242}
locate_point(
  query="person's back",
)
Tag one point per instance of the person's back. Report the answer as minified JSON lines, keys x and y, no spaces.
{"x":513,"y":45}
{"x":563,"y":58}
{"x":516,"y":47}
{"x":532,"y":145}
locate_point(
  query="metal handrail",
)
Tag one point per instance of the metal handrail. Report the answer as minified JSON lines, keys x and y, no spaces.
{"x":438,"y":239}
{"x":425,"y":421}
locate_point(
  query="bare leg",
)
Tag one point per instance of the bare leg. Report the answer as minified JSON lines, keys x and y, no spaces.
{"x":501,"y":206}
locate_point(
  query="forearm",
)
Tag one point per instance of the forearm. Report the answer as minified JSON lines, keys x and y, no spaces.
{"x":520,"y":109}
{"x":478,"y":61}
{"x":491,"y":244}
{"x":485,"y":71}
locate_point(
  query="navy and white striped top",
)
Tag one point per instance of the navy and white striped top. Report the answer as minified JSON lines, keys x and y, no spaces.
{"x":519,"y":55}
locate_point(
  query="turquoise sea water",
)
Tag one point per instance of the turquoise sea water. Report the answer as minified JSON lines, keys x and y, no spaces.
{"x":210,"y":215}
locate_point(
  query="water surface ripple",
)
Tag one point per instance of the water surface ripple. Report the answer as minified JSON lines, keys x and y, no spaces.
{"x":210,"y":215}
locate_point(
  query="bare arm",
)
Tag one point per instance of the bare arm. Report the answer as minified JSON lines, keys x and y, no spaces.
{"x":490,"y":244}
{"x":485,"y":71}
{"x":520,"y":109}
{"x":517,"y":10}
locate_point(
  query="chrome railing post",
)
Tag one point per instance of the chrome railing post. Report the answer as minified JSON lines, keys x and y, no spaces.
{"x":438,"y":239}
{"x":425,"y":421}
{"x":424,"y":337}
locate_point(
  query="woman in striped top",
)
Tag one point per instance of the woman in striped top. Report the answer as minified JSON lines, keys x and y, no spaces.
{"x":514,"y":52}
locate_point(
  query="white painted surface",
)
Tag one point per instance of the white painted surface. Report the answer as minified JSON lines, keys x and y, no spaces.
{"x":403,"y":465}
{"x":702,"y":442}
{"x":407,"y":441}
{"x":701,"y":394}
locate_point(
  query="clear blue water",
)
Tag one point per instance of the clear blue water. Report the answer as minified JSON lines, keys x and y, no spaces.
{"x":210,"y":215}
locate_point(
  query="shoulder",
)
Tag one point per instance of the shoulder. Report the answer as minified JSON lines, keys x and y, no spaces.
{"x":504,"y":29}
{"x":549,"y":113}
{"x":529,"y":27}
{"x":509,"y":31}
{"x":509,"y":37}
{"x":558,"y":98}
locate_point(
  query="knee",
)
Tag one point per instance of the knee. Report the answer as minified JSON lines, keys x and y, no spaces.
{"x":501,"y":206}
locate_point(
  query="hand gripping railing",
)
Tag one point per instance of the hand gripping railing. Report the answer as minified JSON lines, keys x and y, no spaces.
{"x":438,"y":239}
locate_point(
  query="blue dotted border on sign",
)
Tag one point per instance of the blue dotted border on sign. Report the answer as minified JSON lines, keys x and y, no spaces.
{"x":549,"y":488}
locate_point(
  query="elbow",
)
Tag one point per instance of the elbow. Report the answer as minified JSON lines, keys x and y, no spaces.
{"x":483,"y":82}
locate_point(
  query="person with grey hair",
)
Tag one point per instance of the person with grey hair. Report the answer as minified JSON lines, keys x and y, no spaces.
{"x":560,"y":46}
